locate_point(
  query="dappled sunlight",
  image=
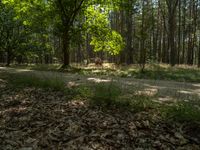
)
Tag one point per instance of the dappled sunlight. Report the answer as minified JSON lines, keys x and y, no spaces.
{"x":38,"y":117}
{"x":98,"y":71}
{"x":77,"y":103}
{"x":72,"y":84}
{"x":3,"y":83}
{"x":73,"y":104}
{"x":185,"y":92}
{"x":165,"y":99}
{"x":13,"y":110}
{"x":98,"y":80}
{"x":109,"y":65}
{"x":197,"y":91}
{"x":196,"y":85}
{"x":13,"y":70}
{"x":147,"y":92}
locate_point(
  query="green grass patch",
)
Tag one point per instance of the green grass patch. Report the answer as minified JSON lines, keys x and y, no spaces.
{"x":31,"y":80}
{"x":182,"y":111}
{"x":111,"y":95}
{"x":180,"y":74}
{"x":152,"y":71}
{"x":105,"y":94}
{"x":39,"y":67}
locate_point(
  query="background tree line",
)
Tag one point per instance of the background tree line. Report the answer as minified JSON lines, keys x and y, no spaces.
{"x":119,"y":31}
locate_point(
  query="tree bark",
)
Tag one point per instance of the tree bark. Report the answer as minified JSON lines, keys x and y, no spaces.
{"x":8,"y":58}
{"x":65,"y":49}
{"x":172,"y":5}
{"x":199,"y":55}
{"x":129,"y":36}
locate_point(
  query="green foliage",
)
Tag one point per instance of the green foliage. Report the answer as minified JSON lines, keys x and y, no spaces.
{"x":103,"y":38}
{"x":23,"y":27}
{"x":10,"y":37}
{"x":113,"y":43}
{"x":183,"y":111}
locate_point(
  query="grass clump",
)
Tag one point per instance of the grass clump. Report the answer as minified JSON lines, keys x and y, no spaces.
{"x":182,"y":112}
{"x":31,"y":80}
{"x":158,"y":72}
{"x":110,"y":95}
{"x":38,"y":67}
{"x":142,"y":103}
{"x":105,"y":94}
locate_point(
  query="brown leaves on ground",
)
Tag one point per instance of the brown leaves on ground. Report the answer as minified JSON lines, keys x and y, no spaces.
{"x":34,"y":119}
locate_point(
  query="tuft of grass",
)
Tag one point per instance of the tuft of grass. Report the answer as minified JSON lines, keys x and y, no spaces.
{"x":39,"y":67}
{"x":105,"y":94}
{"x":110,"y":95}
{"x":182,"y":112}
{"x":31,"y":80}
{"x":142,"y":103}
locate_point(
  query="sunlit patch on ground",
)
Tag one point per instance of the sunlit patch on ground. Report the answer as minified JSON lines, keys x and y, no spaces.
{"x":98,"y":80}
{"x":166,"y":99}
{"x":148,"y":92}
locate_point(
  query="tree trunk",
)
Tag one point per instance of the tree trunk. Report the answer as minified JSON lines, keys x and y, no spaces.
{"x":8,"y":58}
{"x":184,"y":34}
{"x":142,"y":44}
{"x":199,"y":55}
{"x":172,"y":44}
{"x":129,"y":36}
{"x":179,"y":32}
{"x":172,"y":5}
{"x":65,"y":49}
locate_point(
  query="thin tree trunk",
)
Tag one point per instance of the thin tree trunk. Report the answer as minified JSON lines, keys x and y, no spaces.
{"x":142,"y":46}
{"x":8,"y":58}
{"x":179,"y":33}
{"x":199,"y":55}
{"x":65,"y":49}
{"x":129,"y":36}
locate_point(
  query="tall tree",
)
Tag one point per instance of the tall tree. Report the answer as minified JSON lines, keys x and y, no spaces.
{"x":68,"y":11}
{"x":172,"y":8}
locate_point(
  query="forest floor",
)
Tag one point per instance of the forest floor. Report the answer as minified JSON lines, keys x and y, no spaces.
{"x":60,"y":112}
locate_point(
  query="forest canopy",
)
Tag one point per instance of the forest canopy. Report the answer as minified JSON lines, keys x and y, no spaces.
{"x":65,"y":31}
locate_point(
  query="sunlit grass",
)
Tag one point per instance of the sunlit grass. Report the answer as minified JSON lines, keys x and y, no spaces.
{"x":182,"y":73}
